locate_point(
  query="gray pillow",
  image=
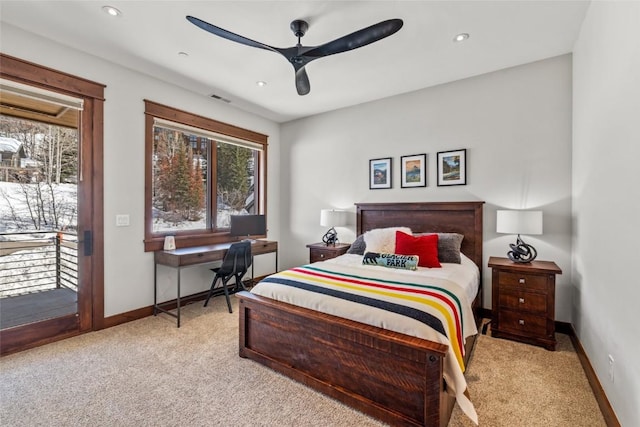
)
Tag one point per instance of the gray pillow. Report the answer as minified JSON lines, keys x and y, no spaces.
{"x":449,"y":247}
{"x":358,"y":247}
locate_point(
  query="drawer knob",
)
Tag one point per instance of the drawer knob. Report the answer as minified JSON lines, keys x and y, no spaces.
{"x":321,"y":255}
{"x":521,"y":300}
{"x":521,"y":322}
{"x":521,"y":281}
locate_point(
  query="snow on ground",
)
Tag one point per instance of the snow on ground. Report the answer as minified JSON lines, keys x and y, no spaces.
{"x":12,"y":198}
{"x":27,"y":255}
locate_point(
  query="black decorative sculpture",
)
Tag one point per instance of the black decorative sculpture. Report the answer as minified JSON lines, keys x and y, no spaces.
{"x":520,"y":222}
{"x":521,"y":252}
{"x":330,"y":237}
{"x":332,"y":218}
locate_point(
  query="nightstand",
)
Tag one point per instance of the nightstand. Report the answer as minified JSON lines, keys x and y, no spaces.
{"x":323,"y":252}
{"x":523,"y":301}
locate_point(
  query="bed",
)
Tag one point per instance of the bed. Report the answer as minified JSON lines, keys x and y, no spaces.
{"x":391,"y":376}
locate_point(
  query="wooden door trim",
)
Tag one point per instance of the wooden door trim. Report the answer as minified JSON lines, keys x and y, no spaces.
{"x":97,"y":218}
{"x":19,"y":70}
{"x":91,"y":130}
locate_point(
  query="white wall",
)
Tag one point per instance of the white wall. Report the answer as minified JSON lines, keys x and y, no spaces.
{"x":128,"y":269}
{"x":606,"y":198}
{"x":514,"y":123}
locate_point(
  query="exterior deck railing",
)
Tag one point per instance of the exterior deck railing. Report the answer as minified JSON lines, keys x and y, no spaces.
{"x":35,"y":262}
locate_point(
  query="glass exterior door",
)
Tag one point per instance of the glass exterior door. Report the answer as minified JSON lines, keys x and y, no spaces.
{"x":48,"y":211}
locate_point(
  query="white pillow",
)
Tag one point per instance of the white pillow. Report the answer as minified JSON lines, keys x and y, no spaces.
{"x":383,"y":240}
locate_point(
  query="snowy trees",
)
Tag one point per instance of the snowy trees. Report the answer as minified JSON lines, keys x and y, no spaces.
{"x":234,"y":175}
{"x":179,"y":189}
{"x":38,"y":206}
{"x":52,"y":151}
{"x":42,"y":201}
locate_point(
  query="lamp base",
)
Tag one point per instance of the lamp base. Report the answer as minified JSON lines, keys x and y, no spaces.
{"x":330,"y":237}
{"x":521,"y":252}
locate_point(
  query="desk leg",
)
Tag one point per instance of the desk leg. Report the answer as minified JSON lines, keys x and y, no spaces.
{"x":178,"y":298}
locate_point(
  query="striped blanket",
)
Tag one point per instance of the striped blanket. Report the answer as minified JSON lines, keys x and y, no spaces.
{"x":381,"y":294}
{"x":416,"y":305}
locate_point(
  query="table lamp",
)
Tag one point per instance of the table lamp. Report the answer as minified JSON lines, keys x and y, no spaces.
{"x":520,"y":222}
{"x":332,"y":218}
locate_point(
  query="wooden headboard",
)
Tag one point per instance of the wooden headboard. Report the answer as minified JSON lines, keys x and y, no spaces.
{"x":422,"y":217}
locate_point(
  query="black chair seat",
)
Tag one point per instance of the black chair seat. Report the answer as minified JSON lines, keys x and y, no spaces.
{"x":235,"y":264}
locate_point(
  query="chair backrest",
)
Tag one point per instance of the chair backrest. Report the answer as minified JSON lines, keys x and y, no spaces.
{"x":237,"y":259}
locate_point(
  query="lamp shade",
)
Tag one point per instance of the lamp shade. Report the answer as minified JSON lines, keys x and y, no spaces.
{"x":519,"y":222}
{"x":333,"y":218}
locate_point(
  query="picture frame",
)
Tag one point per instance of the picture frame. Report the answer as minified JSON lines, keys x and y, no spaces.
{"x":413,"y":171}
{"x":380,"y":173}
{"x":452,"y":167}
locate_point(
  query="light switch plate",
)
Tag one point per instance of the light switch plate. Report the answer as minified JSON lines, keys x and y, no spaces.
{"x":122,"y":220}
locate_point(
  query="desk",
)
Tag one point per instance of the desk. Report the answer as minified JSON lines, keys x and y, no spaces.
{"x":199,"y":255}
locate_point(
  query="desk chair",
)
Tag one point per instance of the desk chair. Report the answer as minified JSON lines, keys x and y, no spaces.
{"x":235,"y":264}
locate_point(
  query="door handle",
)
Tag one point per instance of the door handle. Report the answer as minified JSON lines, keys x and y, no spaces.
{"x":88,"y":243}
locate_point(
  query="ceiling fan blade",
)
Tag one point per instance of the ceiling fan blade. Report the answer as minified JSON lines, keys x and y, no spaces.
{"x":229,"y":35}
{"x":357,"y":39}
{"x":302,"y":82}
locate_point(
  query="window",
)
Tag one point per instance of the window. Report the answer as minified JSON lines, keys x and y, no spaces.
{"x":199,"y":172}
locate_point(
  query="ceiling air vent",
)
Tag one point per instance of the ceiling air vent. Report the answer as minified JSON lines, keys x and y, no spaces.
{"x":218,"y":97}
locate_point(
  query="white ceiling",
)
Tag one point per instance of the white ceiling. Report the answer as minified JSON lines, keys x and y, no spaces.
{"x":150,"y":34}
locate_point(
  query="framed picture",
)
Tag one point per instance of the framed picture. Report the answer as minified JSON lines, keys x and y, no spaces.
{"x":413,"y":171}
{"x":380,"y":173}
{"x":452,"y":167}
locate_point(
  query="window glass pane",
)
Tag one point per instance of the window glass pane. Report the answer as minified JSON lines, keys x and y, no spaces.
{"x":236,"y":174}
{"x":199,"y":172}
{"x":179,"y":194}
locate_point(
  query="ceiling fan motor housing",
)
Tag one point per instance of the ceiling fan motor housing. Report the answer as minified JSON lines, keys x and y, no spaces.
{"x":299,"y":27}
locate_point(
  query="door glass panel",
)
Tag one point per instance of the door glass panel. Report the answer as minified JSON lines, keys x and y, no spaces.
{"x":38,"y":210}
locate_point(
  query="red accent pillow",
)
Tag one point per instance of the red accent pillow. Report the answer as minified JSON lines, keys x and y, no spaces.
{"x":426,"y":247}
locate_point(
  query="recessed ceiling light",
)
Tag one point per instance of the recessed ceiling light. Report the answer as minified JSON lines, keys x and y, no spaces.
{"x":461,"y":37}
{"x":112,"y":11}
{"x":261,"y":83}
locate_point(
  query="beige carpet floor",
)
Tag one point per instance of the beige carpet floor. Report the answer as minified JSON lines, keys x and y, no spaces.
{"x":150,"y":373}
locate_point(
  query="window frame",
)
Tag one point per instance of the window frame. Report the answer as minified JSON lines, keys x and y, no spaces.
{"x":155,"y":241}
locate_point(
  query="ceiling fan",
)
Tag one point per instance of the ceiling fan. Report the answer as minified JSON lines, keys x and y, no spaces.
{"x":299,"y":55}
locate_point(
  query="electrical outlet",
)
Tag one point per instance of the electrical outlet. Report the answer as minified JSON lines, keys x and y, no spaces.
{"x":122,"y":220}
{"x":612,"y":362}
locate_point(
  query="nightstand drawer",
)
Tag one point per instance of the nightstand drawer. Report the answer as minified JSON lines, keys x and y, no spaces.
{"x":525,"y":301}
{"x":316,"y":256}
{"x":323,"y":252}
{"x":522,"y":323}
{"x":530,"y":281}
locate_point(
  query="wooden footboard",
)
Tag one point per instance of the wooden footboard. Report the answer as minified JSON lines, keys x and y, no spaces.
{"x":390,"y":376}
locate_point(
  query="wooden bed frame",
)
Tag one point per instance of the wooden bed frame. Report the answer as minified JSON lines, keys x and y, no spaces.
{"x":390,"y":376}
